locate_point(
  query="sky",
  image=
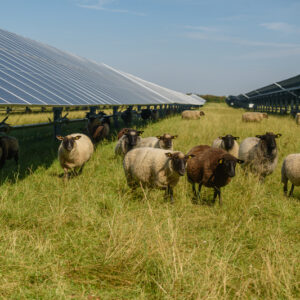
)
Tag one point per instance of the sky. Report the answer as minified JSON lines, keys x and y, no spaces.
{"x":220,"y":47}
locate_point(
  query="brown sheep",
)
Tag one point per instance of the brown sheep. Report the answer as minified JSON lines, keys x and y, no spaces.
{"x":210,"y":167}
{"x":98,"y":129}
{"x":9,"y":148}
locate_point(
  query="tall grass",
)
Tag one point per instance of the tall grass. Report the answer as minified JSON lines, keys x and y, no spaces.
{"x":94,"y":237}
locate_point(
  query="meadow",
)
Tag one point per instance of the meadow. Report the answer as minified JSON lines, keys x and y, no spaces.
{"x":93,"y":238}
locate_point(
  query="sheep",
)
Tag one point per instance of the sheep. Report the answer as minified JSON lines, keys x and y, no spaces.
{"x":163,"y":142}
{"x":155,"y":168}
{"x":297,"y":118}
{"x":9,"y":148}
{"x":130,"y":139}
{"x":146,"y":113}
{"x":290,"y":171}
{"x":211,"y":167}
{"x":154,"y":114}
{"x":74,"y":151}
{"x":126,"y":116}
{"x":228,"y":143}
{"x":253,"y":116}
{"x":190,"y":114}
{"x":260,"y":154}
{"x":98,"y":129}
{"x":122,"y":132}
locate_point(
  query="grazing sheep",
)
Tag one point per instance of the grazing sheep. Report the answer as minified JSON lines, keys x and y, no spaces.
{"x":74,"y":151}
{"x":297,"y":118}
{"x":154,"y":167}
{"x":130,"y":138}
{"x":98,"y":130}
{"x":260,"y":153}
{"x":9,"y":148}
{"x":190,"y":114}
{"x":228,"y":143}
{"x":253,"y":116}
{"x":162,"y":142}
{"x":211,"y":167}
{"x":290,"y":171}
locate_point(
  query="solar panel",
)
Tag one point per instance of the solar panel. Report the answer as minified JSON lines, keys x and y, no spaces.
{"x":33,"y":73}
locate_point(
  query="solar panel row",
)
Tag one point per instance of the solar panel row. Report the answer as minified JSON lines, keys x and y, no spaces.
{"x":32,"y":73}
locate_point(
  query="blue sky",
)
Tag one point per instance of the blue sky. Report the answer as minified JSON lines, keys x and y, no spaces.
{"x":204,"y":46}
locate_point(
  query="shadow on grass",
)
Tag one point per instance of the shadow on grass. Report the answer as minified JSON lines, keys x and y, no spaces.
{"x":38,"y":148}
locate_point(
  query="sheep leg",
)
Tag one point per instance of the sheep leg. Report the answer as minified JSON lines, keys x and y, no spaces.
{"x":217,"y":193}
{"x":285,"y":188}
{"x":199,"y":189}
{"x":80,"y":170}
{"x":291,"y":191}
{"x":66,"y":175}
{"x":194,"y":189}
{"x":169,"y":192}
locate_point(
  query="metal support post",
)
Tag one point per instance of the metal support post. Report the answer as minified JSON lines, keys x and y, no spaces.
{"x":56,"y":120}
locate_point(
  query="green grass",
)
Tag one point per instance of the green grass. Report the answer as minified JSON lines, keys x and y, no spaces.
{"x":95,"y":237}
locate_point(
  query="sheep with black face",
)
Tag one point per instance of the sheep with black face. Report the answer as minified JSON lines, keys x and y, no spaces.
{"x":164,"y":141}
{"x":74,"y":151}
{"x":128,"y":141}
{"x":260,"y":153}
{"x":155,"y":168}
{"x":228,"y":143}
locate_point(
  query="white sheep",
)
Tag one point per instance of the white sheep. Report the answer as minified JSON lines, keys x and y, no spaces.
{"x":260,"y":153}
{"x":290,"y":171}
{"x":154,"y":167}
{"x":228,"y":143}
{"x":191,"y":114}
{"x":74,"y":151}
{"x":162,"y":142}
{"x":253,"y":116}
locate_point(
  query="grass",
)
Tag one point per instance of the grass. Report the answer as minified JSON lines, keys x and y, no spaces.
{"x":93,"y":237}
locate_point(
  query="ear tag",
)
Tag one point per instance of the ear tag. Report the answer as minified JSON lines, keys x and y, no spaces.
{"x":220,"y":161}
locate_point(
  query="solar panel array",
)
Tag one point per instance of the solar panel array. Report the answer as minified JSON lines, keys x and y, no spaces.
{"x":290,"y":87}
{"x":33,"y":73}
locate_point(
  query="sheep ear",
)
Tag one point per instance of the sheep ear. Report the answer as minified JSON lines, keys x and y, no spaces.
{"x":278,"y":135}
{"x":174,"y":136}
{"x":168,"y":154}
{"x":59,"y":137}
{"x":236,"y":137}
{"x":220,"y":161}
{"x":239,"y":161}
{"x":259,"y":136}
{"x":220,"y":137}
{"x":159,"y":137}
{"x":139,"y":132}
{"x":77,"y":137}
